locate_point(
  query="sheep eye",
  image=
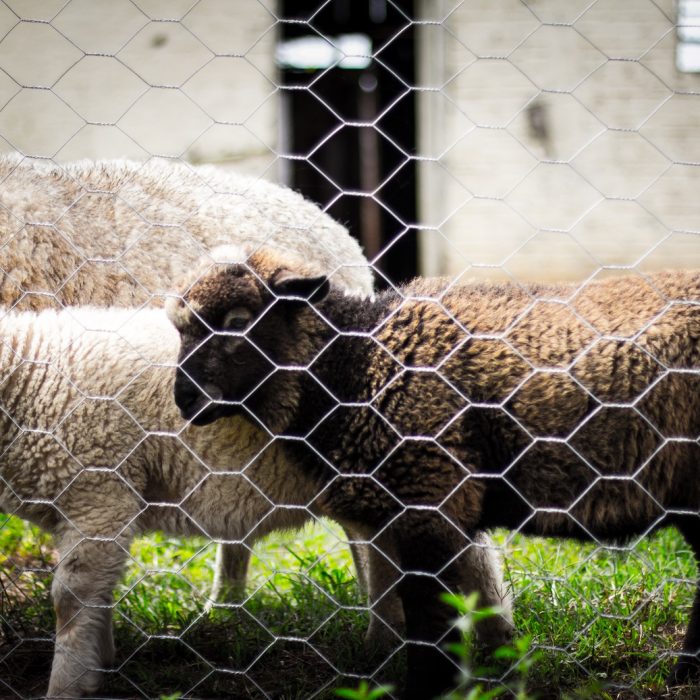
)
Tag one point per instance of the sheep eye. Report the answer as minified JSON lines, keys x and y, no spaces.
{"x":237,"y":319}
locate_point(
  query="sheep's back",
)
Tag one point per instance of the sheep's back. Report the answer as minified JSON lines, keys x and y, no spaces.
{"x":585,"y":400}
{"x":118,"y":232}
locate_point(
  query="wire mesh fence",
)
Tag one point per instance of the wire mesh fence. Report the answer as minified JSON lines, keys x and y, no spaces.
{"x":291,"y":536}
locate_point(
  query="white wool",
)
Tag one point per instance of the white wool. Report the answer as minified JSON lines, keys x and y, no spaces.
{"x":229,"y":254}
{"x":120,"y":232}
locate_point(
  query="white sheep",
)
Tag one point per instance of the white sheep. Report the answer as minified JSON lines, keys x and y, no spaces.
{"x":95,"y":452}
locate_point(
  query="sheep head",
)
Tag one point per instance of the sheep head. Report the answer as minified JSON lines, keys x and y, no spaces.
{"x":244,"y":330}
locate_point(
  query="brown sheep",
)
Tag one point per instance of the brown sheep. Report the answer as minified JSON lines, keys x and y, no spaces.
{"x":443,"y":409}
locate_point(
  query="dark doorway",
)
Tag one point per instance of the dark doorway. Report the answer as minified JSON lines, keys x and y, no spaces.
{"x":363,"y":175}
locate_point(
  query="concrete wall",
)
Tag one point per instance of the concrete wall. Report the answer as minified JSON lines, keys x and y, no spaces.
{"x":112,"y":78}
{"x":558,"y":136}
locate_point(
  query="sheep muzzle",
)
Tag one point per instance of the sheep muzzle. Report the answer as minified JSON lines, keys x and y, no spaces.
{"x":199,"y":405}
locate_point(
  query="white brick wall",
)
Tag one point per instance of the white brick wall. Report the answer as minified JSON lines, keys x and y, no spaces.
{"x":112,"y":78}
{"x":615,"y":179}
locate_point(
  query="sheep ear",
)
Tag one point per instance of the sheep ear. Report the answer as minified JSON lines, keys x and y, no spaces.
{"x":289,"y":284}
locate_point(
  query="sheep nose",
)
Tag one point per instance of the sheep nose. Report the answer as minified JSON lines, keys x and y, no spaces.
{"x":187,"y":393}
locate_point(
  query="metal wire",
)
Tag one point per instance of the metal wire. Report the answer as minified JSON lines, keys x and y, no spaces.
{"x":540,"y":124}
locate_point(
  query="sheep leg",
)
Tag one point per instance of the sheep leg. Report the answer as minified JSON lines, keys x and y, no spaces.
{"x":360,"y":555}
{"x":377,"y":574}
{"x":428,"y":547}
{"x":687,"y":668}
{"x":387,"y":619}
{"x":230,"y":574}
{"x":87,"y":572}
{"x":481,"y":571}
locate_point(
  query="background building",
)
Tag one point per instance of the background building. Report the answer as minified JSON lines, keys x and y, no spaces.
{"x":529,"y":138}
{"x":562,"y":137}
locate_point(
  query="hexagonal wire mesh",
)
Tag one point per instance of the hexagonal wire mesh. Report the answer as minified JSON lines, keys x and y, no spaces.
{"x":519,"y":141}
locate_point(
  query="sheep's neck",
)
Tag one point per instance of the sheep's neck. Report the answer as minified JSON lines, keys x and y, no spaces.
{"x":335,"y":394}
{"x":353,"y":314}
{"x":346,"y":354}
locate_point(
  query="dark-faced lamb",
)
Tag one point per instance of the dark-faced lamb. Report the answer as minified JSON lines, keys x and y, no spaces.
{"x":439,"y":409}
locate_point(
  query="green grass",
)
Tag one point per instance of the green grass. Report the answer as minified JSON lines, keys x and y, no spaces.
{"x":601,"y":618}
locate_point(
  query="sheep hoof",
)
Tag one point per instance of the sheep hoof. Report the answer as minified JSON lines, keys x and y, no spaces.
{"x":495,"y":632}
{"x":685,"y":671}
{"x":380,"y":639}
{"x":232,"y":592}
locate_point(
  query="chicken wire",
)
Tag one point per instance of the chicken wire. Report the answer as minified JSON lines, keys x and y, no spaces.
{"x":553,"y":141}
